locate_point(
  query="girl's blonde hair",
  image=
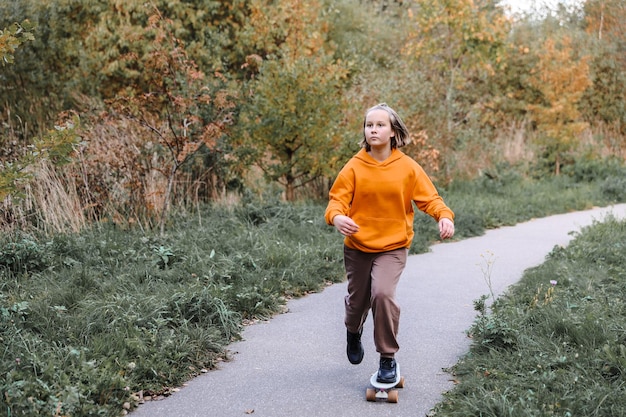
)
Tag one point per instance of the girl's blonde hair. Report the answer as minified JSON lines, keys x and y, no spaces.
{"x":400,"y":130}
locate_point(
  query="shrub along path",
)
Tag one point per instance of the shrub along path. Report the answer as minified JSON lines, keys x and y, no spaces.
{"x":295,"y":364}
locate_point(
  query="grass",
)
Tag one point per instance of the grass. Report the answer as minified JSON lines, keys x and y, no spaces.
{"x":89,"y":319}
{"x":107,"y":313}
{"x":555,"y":344}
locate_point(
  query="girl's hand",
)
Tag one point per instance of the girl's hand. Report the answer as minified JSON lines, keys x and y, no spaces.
{"x":446,"y":228}
{"x":345,"y":225}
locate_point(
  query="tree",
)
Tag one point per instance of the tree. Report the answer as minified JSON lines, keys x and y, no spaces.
{"x":180,"y":108}
{"x":606,"y":19}
{"x":605,"y":100}
{"x":457,"y":46}
{"x":47,"y":70}
{"x":211,"y":31}
{"x":12,"y":172}
{"x":291,"y":123}
{"x":562,"y":80}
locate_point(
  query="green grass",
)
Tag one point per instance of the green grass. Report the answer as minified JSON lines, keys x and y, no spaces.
{"x":87,"y":320}
{"x":552,"y":348}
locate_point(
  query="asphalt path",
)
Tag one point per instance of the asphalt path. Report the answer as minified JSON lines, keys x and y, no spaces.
{"x":295,"y":365}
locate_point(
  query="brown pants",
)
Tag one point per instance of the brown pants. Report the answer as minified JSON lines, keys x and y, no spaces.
{"x":372,"y":282}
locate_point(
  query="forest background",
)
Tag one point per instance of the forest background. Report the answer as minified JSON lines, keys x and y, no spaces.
{"x":123,"y":111}
{"x":164,"y":166}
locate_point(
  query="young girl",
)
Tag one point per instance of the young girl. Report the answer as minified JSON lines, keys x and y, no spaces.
{"x":371,"y":205}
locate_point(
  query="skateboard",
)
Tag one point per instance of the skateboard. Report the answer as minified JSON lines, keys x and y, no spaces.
{"x":385,"y":391}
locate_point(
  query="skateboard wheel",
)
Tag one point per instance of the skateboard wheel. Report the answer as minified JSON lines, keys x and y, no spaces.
{"x":392,"y":396}
{"x":370,"y":394}
{"x":400,"y":384}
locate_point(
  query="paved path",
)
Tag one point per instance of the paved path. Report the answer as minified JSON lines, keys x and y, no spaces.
{"x":295,"y":364}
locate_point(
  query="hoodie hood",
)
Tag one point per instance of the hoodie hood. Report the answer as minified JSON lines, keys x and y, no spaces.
{"x":366,"y":158}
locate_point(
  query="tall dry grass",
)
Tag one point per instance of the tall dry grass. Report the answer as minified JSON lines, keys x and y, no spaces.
{"x":48,"y":203}
{"x":117,"y":175}
{"x":53,"y":201}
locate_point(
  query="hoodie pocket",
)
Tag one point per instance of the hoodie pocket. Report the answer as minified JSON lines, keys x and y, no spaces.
{"x":380,"y":233}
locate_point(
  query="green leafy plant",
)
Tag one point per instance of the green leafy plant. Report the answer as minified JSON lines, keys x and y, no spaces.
{"x":163,"y":256}
{"x":23,"y":254}
{"x":490,"y":329}
{"x":12,"y":37}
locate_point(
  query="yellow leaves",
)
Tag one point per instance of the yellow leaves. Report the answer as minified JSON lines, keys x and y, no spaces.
{"x":606,"y":18}
{"x":12,"y":37}
{"x":456,"y":28}
{"x":559,"y":75}
{"x":293,"y":26}
{"x":562,"y":79}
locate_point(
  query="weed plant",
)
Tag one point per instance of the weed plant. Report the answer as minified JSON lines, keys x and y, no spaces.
{"x":89,"y":319}
{"x":555,"y":345}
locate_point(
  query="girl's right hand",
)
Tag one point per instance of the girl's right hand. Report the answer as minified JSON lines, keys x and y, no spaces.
{"x":345,"y":225}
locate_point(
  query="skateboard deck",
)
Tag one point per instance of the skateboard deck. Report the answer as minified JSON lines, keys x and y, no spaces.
{"x":384,"y":391}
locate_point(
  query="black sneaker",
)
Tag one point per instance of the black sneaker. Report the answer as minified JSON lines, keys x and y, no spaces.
{"x":387,"y":371}
{"x":355,"y":348}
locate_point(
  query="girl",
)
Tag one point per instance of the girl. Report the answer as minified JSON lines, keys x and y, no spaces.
{"x":371,"y":205}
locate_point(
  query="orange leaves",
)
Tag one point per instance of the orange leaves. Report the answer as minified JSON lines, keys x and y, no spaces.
{"x":178,"y":106}
{"x":562,"y":79}
{"x":422,"y":149}
{"x":171,"y":101}
{"x":224,"y":100}
{"x":559,"y":75}
{"x":154,"y":20}
{"x":455,"y":27}
{"x":292,"y":26}
{"x":606,"y":18}
{"x":211,"y":133}
{"x":189,"y":148}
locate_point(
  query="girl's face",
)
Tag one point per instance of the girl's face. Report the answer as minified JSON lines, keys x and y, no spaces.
{"x":378,"y":131}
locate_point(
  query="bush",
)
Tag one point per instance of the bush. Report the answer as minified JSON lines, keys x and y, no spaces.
{"x":613,"y":188}
{"x":589,"y":169}
{"x":21,"y":254}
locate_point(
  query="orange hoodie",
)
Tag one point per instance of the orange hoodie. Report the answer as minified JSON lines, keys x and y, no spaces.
{"x":378,"y":196}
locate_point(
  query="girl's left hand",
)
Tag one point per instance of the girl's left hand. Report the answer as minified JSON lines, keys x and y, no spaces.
{"x":446,"y":228}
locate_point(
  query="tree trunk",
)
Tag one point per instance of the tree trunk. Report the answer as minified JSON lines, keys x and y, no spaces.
{"x":166,"y":198}
{"x":557,"y":165}
{"x":290,"y":191}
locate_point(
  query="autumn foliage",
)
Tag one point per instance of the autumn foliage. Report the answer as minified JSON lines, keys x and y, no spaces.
{"x":561,"y":79}
{"x":181,"y":109}
{"x":182,"y":103}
